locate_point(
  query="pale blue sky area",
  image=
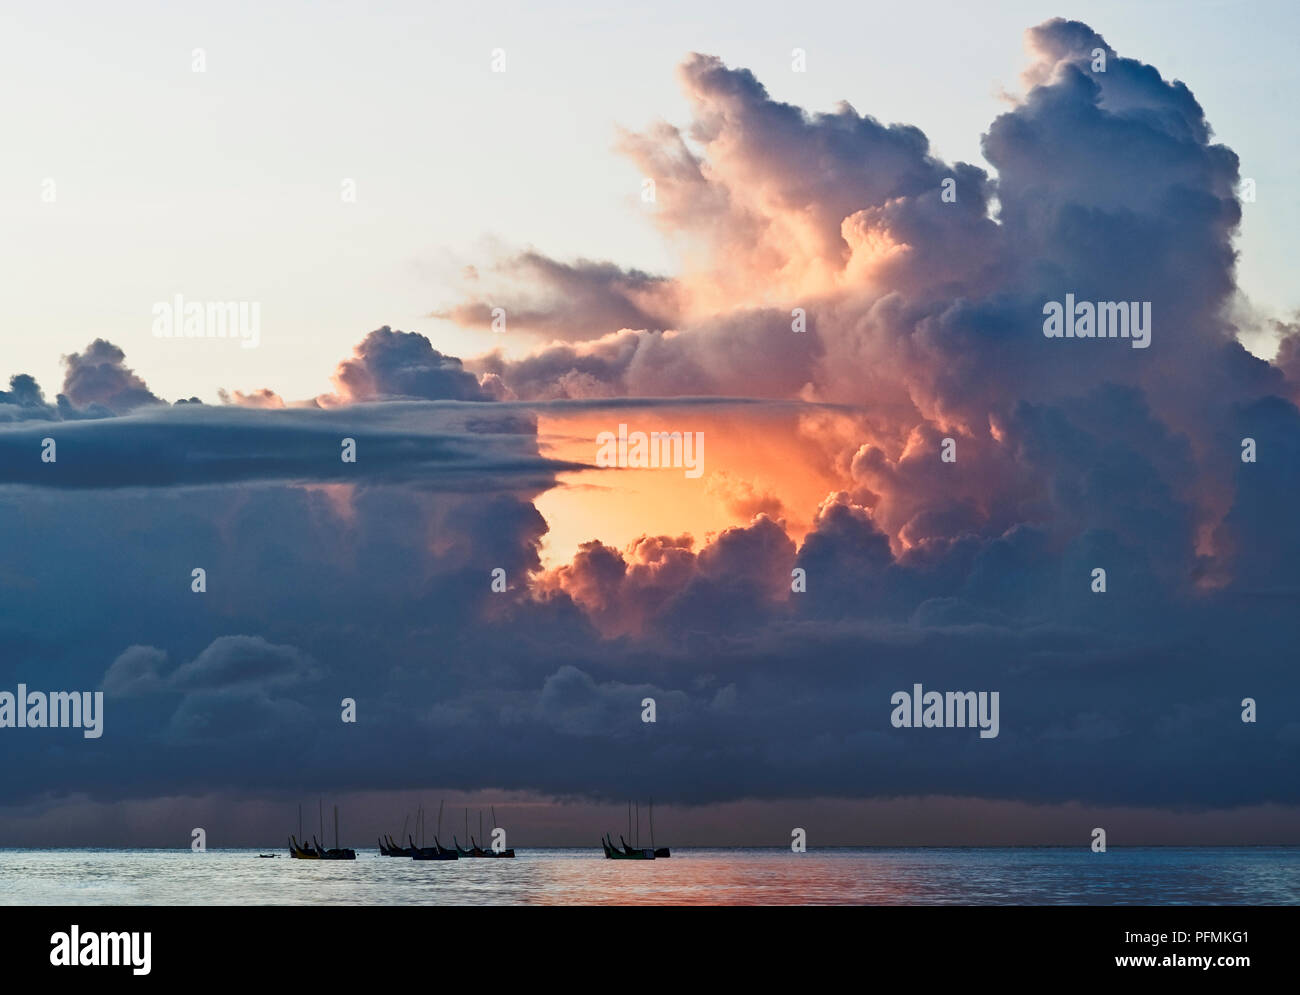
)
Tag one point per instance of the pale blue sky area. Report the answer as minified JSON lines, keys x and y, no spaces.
{"x":225,"y":185}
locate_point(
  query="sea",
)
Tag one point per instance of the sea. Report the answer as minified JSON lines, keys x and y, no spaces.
{"x":691,"y":876}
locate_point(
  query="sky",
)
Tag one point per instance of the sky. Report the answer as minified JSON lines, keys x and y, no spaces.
{"x":226,"y":184}
{"x":396,"y":501}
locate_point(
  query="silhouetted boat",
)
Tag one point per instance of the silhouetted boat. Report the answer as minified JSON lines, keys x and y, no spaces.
{"x":336,"y":854}
{"x":478,"y":851}
{"x":301,"y":852}
{"x":435,"y":852}
{"x":388,"y":847}
{"x":298,"y":850}
{"x":508,"y":851}
{"x":392,"y":849}
{"x":635,"y":853}
{"x":627,"y":853}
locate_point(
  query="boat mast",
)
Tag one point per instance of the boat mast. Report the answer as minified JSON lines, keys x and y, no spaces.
{"x":480,"y":827}
{"x":652,"y":822}
{"x":320,"y":802}
{"x":336,"y":827}
{"x":300,"y":820}
{"x":629,"y":818}
{"x":440,"y":801}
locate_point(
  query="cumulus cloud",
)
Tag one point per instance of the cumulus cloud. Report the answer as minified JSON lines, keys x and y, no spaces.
{"x":227,"y":662}
{"x":100,"y":377}
{"x":24,"y":400}
{"x":925,"y":313}
{"x":262,"y":398}
{"x":390,"y":364}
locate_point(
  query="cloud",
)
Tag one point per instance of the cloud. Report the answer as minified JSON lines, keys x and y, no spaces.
{"x":923,"y":325}
{"x":446,"y":446}
{"x":237,"y":660}
{"x":227,"y":662}
{"x":99,"y":376}
{"x":24,"y":400}
{"x":137,"y":671}
{"x":389,"y":364}
{"x":571,"y":301}
{"x":262,"y":398}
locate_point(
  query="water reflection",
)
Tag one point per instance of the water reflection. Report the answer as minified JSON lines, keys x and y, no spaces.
{"x":1157,"y":875}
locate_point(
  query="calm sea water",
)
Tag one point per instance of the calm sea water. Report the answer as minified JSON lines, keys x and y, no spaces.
{"x":1156,"y":875}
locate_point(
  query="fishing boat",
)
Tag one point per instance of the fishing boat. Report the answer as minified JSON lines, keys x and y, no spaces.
{"x":442,"y":849}
{"x":301,"y":852}
{"x":637,"y":852}
{"x":435,"y":852}
{"x":627,"y":853}
{"x":478,"y":851}
{"x":316,"y":851}
{"x":475,"y":851}
{"x":335,"y":854}
{"x":296,"y":849}
{"x":389,"y":848}
{"x":509,"y":851}
{"x":393,"y":849}
{"x":338,"y":853}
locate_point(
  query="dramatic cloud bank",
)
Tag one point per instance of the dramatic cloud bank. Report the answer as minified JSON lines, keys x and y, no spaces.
{"x":924,"y":313}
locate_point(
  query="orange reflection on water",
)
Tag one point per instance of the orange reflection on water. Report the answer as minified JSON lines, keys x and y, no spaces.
{"x":704,"y":877}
